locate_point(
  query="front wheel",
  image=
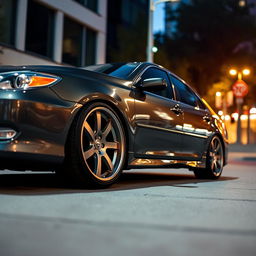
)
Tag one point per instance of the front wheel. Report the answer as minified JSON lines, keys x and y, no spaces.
{"x":96,"y":148}
{"x":214,"y":161}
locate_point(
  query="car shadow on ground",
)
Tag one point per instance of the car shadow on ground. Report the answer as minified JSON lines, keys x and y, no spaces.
{"x":27,"y":183}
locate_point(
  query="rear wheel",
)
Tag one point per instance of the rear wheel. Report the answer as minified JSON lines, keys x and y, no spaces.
{"x":214,"y":162}
{"x":96,"y":147}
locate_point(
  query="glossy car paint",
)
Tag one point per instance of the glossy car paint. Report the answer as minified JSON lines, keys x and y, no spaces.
{"x":155,"y":134}
{"x":42,"y":121}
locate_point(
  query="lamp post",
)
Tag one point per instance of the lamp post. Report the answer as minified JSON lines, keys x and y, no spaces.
{"x":234,"y":72}
{"x":150,"y":41}
{"x":239,"y":100}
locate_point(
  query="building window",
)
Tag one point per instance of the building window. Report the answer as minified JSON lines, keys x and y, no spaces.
{"x":90,"y":4}
{"x":79,"y":44}
{"x":130,"y":12}
{"x":72,"y":42}
{"x":90,"y":47}
{"x":39,"y":32}
{"x":7,"y":21}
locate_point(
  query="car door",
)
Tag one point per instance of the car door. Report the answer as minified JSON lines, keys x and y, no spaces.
{"x":196,"y":125}
{"x":158,"y":120}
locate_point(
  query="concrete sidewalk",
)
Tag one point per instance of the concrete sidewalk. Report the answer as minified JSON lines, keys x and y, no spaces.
{"x":242,"y":152}
{"x":251,"y":148}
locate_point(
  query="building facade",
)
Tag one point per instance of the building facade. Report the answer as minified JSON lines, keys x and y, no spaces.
{"x":68,"y":32}
{"x":127,"y":30}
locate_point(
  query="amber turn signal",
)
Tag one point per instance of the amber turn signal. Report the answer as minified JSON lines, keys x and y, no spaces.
{"x":41,"y":81}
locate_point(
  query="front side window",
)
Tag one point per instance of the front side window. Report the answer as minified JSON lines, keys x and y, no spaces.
{"x":39,"y":32}
{"x":7,"y":21}
{"x":185,"y":94}
{"x":157,"y":73}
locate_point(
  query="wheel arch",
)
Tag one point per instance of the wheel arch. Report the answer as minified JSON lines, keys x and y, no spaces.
{"x":115,"y":106}
{"x":222,"y":143}
{"x":223,"y":147}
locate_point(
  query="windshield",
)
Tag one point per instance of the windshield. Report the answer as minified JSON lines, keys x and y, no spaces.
{"x":119,"y":70}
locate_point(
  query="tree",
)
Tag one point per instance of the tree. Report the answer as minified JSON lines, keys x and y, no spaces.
{"x":207,"y":38}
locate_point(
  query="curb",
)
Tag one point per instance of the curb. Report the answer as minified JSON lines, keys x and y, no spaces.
{"x":249,"y":158}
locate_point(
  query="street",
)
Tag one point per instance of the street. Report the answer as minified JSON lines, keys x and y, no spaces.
{"x":149,"y":212}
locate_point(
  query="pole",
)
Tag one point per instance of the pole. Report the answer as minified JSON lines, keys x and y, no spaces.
{"x":248,"y":126}
{"x":239,"y":102}
{"x":150,"y":32}
{"x":150,"y":43}
{"x":225,"y":106}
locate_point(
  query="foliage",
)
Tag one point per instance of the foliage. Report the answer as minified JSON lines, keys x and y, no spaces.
{"x":210,"y":37}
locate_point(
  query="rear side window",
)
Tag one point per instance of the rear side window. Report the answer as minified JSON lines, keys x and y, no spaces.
{"x":185,"y":94}
{"x":157,"y":73}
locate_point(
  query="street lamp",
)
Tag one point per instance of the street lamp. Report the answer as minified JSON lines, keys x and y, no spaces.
{"x":218,"y":94}
{"x":218,"y":99}
{"x":154,"y":49}
{"x":240,"y":73}
{"x":150,"y":42}
{"x":246,"y":71}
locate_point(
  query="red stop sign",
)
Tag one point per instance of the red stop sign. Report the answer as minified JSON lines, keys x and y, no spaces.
{"x":240,"y":88}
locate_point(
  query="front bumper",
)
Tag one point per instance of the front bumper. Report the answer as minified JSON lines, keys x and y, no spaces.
{"x":41,"y":121}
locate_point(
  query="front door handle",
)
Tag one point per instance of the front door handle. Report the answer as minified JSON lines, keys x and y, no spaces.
{"x":207,"y":119}
{"x":177,"y":110}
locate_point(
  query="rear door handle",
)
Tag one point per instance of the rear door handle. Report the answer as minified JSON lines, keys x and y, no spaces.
{"x":176,"y":109}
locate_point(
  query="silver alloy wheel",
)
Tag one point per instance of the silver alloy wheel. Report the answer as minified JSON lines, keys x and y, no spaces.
{"x":216,"y":156}
{"x":102,"y":143}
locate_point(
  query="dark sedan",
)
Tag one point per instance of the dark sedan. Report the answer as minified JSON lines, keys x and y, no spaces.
{"x":89,"y":124}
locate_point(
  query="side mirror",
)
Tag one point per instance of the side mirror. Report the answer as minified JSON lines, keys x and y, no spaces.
{"x":153,"y":84}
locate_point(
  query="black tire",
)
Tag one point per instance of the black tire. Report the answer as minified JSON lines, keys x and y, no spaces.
{"x":214,"y":161}
{"x":95,"y":152}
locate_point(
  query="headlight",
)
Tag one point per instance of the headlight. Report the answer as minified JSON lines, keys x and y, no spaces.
{"x":24,"y":80}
